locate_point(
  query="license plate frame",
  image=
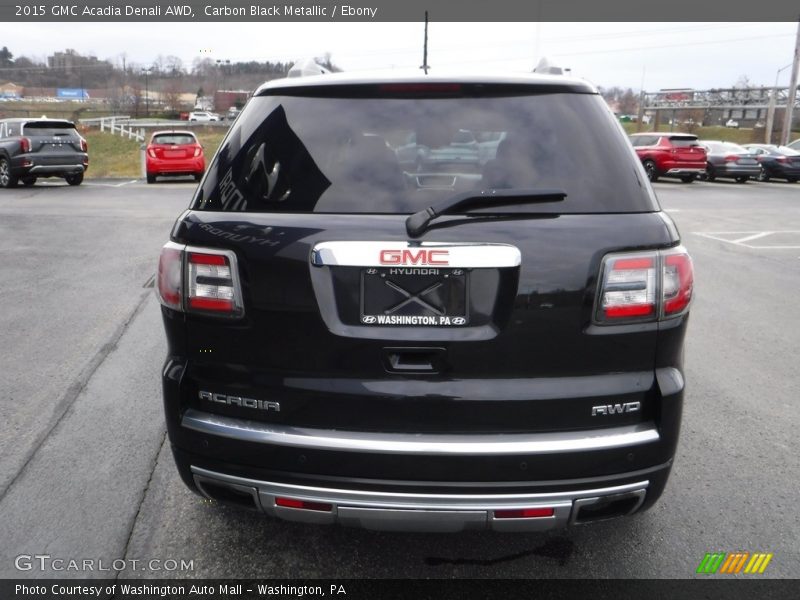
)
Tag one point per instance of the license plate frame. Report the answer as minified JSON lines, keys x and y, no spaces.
{"x":414,"y":297}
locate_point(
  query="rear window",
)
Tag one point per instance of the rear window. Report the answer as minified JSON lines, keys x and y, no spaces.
{"x":683,"y":142}
{"x":49,"y":128}
{"x":398,"y":155}
{"x":722,"y":147}
{"x":174,"y":139}
{"x":786,"y":151}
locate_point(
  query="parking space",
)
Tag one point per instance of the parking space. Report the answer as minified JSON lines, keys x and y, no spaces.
{"x":85,"y":471}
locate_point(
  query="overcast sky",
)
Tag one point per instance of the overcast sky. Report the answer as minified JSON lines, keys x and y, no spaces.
{"x":660,"y":55}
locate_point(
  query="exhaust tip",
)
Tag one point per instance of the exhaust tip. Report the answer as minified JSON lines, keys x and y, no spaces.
{"x":602,"y":508}
{"x":228,"y":493}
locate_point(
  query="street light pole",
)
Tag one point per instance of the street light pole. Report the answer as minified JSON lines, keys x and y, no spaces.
{"x":773,"y":99}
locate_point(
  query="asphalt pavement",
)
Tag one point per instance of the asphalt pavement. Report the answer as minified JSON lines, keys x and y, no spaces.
{"x":86,"y":474}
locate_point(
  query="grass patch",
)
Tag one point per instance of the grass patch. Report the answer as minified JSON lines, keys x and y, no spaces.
{"x":112,"y":156}
{"x":211,"y":138}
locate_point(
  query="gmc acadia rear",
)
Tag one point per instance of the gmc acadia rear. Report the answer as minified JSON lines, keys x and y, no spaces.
{"x":354,"y":341}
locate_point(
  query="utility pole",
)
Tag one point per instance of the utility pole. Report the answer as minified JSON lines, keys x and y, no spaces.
{"x":773,"y":99}
{"x":787,"y":119}
{"x":425,"y":66}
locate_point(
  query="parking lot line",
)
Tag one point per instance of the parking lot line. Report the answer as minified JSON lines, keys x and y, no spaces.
{"x":755,"y":236}
{"x":724,"y":236}
{"x":116,"y":185}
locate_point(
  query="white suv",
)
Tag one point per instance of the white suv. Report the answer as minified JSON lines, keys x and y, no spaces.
{"x":203,"y":116}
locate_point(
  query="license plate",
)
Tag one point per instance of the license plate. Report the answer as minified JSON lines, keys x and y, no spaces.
{"x":414,"y":296}
{"x":173,"y":154}
{"x":747,"y":161}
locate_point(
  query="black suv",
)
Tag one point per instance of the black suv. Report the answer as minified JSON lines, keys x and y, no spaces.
{"x":356,"y":341}
{"x":33,"y":148}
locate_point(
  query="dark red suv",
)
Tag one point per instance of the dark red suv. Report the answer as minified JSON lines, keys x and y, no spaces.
{"x":670,"y":155}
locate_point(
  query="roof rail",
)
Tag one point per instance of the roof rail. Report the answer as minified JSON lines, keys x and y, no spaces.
{"x":306,"y":67}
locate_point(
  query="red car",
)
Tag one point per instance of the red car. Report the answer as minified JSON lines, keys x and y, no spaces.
{"x":174,"y":153}
{"x":670,"y":155}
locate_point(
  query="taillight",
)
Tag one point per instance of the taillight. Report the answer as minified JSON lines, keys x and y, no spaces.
{"x":629,"y":287}
{"x":731,"y":158}
{"x":24,"y":145}
{"x":677,"y":283}
{"x":782,"y":159}
{"x":211,"y":286}
{"x":151,"y":152}
{"x":84,"y":145}
{"x":644,"y":286}
{"x":198,"y":151}
{"x":170,"y":276}
{"x":199,"y":280}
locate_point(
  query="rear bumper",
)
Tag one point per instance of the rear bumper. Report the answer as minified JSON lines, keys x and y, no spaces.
{"x":442,"y":512}
{"x":370,"y":476}
{"x":737,"y":170}
{"x":782,"y":172}
{"x":399,"y":444}
{"x":44,"y":165}
{"x":175,"y":167}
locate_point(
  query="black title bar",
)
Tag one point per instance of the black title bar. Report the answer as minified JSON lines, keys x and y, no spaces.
{"x":398,"y":10}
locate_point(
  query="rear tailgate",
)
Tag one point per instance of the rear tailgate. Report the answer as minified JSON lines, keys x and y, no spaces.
{"x":515,"y":350}
{"x":688,"y":150}
{"x":483,"y":323}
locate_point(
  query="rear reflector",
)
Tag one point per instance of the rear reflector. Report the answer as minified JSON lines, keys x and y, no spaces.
{"x":303,"y":504}
{"x":524,"y":513}
{"x":640,"y":287}
{"x":199,"y":280}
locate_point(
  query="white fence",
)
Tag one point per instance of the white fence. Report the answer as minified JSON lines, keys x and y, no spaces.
{"x":120,"y":126}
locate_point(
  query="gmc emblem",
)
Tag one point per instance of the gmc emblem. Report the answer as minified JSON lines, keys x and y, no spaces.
{"x":415,"y":257}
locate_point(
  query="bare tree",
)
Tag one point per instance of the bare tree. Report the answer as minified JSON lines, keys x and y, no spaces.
{"x":173,"y":66}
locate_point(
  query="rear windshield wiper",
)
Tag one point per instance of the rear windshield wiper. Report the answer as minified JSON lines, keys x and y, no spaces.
{"x":417,"y":223}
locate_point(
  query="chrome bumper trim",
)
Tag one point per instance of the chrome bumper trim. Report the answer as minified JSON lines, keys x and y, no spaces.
{"x":56,"y":169}
{"x":685,"y":170}
{"x":395,"y":511}
{"x":421,"y":443}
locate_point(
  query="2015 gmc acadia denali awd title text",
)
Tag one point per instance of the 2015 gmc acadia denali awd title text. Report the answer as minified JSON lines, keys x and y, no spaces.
{"x":359,"y":334}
